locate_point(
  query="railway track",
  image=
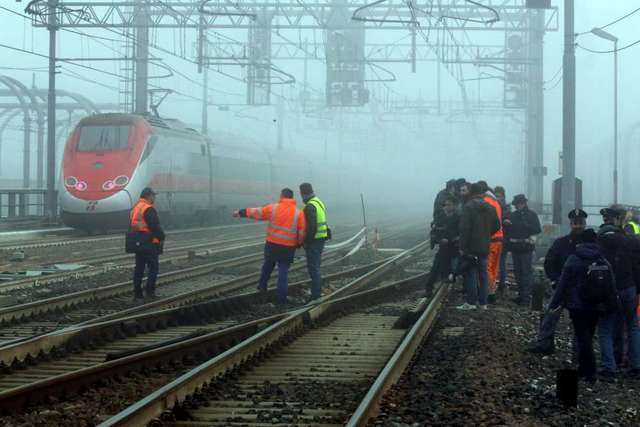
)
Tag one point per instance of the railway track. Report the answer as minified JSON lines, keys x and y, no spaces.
{"x":323,"y":365}
{"x":175,"y":288}
{"x":24,"y":290}
{"x":108,"y":250}
{"x":36,"y":375}
{"x":75,"y":240}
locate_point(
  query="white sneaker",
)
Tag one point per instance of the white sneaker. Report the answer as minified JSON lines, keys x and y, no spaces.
{"x":466,"y":306}
{"x":483,"y":307}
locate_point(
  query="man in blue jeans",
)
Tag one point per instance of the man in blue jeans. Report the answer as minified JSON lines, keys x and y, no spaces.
{"x":477,"y":224}
{"x":621,"y":251}
{"x":317,"y":232}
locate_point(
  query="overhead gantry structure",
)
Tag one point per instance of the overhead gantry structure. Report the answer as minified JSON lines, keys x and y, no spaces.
{"x":346,"y":50}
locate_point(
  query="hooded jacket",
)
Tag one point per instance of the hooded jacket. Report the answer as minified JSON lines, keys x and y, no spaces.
{"x":477,"y":224}
{"x":574,"y":274}
{"x":622,"y":252}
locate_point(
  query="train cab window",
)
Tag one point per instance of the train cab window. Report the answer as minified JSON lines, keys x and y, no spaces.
{"x":103,"y":138}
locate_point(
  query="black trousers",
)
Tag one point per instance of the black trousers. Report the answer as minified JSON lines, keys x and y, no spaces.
{"x":584,"y":327}
{"x":441,"y":267}
{"x":152,"y":264}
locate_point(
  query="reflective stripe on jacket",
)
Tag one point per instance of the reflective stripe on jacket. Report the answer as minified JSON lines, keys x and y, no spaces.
{"x":498,"y":235}
{"x":321,"y":218}
{"x":286,"y":222}
{"x":138,"y":223}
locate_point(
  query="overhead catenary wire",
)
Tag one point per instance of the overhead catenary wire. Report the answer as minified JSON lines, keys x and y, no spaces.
{"x":608,"y":51}
{"x":125,"y":35}
{"x":612,"y":22}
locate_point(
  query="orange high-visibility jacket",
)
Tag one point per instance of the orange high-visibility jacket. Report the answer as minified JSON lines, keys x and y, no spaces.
{"x":286,"y":222}
{"x":137,"y":218}
{"x":498,"y":235}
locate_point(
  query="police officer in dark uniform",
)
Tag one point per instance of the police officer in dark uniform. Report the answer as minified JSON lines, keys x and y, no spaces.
{"x":560,"y":250}
{"x":519,"y":227}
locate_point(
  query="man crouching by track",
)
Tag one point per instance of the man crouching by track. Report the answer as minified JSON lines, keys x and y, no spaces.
{"x":285,"y":233}
{"x":145,"y":238}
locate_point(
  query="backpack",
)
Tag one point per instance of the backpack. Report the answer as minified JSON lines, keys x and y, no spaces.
{"x":599,"y":285}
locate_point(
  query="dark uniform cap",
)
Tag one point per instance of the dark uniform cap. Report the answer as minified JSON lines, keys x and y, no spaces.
{"x":147,"y":192}
{"x":519,"y":198}
{"x":577,"y":213}
{"x":613,"y":211}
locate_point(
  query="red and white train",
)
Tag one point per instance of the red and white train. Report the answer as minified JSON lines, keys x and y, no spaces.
{"x":110,"y":158}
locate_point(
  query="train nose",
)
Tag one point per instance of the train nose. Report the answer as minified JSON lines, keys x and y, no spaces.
{"x":97,"y":203}
{"x":107,"y":213}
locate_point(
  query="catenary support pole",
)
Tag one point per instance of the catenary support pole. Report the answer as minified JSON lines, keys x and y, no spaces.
{"x":568,"y":113}
{"x":142,"y":57}
{"x":52,"y":209}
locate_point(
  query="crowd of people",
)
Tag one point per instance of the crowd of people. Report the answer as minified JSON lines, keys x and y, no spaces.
{"x":594,"y":274}
{"x":474,"y":229}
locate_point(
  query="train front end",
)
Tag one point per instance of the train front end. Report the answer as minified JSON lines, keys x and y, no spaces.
{"x":102,"y":171}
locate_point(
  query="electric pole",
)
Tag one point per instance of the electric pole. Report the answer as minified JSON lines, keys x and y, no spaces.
{"x":568,"y":113}
{"x":51,"y":196}
{"x":142,"y":57}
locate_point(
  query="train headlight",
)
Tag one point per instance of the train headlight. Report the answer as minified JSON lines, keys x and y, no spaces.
{"x":121,"y":181}
{"x":71,"y":181}
{"x":81,"y":186}
{"x":108,"y":185}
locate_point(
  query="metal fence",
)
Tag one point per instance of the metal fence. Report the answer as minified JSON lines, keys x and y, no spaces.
{"x":20,"y":203}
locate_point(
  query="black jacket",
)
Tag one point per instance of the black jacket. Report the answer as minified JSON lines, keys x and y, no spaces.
{"x":558,"y":253}
{"x":477,"y":224}
{"x":446,"y":227}
{"x":622,"y":252}
{"x":153,"y":222}
{"x":524,"y":224}
{"x":438,"y":203}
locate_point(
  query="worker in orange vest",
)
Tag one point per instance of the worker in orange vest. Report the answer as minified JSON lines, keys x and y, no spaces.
{"x":495,"y":246}
{"x":285,"y":233}
{"x":145,"y":238}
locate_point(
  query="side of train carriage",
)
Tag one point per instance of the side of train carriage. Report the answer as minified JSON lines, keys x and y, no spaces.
{"x":109,"y":158}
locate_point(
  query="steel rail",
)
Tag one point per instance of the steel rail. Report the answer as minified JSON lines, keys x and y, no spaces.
{"x":46,"y":343}
{"x":66,"y":242}
{"x":136,"y":359}
{"x":98,"y":269}
{"x":29,"y":310}
{"x":152,"y":406}
{"x":397,"y":364}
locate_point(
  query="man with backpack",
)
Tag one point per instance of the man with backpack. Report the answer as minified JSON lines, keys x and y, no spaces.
{"x":587,"y":289}
{"x":621,"y":251}
{"x":561,"y":249}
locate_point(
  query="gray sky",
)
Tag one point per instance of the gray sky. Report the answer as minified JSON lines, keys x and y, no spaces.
{"x":439,"y":147}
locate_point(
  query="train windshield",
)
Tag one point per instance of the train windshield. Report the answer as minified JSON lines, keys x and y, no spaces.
{"x":103,"y":138}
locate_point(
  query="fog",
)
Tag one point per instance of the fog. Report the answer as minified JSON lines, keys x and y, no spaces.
{"x":404,"y":143}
